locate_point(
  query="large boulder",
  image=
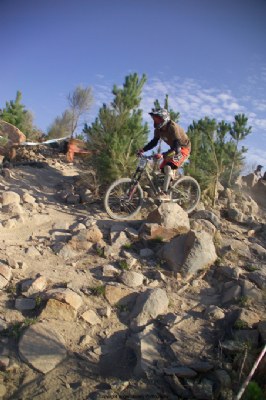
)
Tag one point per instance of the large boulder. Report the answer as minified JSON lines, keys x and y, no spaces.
{"x":189,"y":253}
{"x":42,"y":347}
{"x":149,"y":305}
{"x":12,"y":133}
{"x":166,"y":221}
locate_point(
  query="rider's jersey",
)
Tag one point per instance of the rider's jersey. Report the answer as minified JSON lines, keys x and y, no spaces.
{"x":172,"y":132}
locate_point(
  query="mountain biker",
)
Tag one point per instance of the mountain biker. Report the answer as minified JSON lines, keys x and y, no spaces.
{"x":172,"y":134}
{"x":258,"y":172}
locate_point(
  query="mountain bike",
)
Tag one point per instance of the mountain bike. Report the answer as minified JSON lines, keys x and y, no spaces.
{"x":124,"y":197}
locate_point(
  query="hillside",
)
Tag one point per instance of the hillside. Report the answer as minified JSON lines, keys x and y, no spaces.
{"x":93,"y":308}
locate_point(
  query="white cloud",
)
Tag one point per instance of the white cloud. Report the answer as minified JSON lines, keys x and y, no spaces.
{"x":260,"y":123}
{"x":224,"y":97}
{"x":260,"y":105}
{"x":234,"y":106}
{"x":256,"y":156}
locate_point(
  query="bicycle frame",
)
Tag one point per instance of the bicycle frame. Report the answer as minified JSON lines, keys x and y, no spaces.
{"x":138,"y":174}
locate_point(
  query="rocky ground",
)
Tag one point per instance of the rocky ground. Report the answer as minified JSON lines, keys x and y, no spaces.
{"x":153,"y":308}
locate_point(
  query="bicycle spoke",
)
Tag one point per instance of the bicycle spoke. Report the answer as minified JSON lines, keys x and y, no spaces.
{"x":186,"y":193}
{"x":123,"y":199}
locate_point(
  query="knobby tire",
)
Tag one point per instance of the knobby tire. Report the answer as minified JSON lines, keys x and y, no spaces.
{"x":186,"y":193}
{"x":117,"y":203}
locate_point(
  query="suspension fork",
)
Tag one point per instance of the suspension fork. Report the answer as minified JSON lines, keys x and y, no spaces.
{"x":136,"y":178}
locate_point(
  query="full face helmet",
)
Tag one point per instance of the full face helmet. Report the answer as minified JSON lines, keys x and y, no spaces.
{"x":163,"y":114}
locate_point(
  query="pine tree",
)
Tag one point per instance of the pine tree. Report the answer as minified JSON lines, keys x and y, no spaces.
{"x":16,"y":114}
{"x":173,"y":114}
{"x":118,"y":131}
{"x":238,"y":131}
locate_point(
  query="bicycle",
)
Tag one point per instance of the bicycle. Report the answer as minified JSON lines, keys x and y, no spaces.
{"x":124,"y":197}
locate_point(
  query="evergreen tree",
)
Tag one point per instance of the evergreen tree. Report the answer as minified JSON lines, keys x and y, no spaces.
{"x":211,"y":154}
{"x":118,"y":131}
{"x":238,"y":131}
{"x":173,"y":114}
{"x":16,"y":114}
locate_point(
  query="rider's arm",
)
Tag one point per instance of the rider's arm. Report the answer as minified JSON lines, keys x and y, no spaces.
{"x":151,"y":144}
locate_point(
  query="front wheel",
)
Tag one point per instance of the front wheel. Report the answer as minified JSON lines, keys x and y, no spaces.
{"x":123,"y":199}
{"x":186,"y":193}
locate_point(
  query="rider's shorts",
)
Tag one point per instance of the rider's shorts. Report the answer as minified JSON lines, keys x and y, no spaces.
{"x":176,"y":162}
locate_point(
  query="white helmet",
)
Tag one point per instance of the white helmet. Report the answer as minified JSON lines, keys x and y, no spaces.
{"x":163,"y":113}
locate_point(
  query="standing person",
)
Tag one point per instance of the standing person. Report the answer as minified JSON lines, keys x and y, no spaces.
{"x":172,"y":134}
{"x":258,"y":172}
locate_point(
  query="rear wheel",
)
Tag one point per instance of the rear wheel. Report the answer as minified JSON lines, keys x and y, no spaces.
{"x":186,"y":193}
{"x":123,"y":199}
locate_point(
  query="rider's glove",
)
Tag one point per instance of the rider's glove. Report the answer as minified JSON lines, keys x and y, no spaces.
{"x":140,"y":152}
{"x":158,"y":156}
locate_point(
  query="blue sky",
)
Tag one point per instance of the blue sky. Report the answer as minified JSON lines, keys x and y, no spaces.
{"x":208,"y":55}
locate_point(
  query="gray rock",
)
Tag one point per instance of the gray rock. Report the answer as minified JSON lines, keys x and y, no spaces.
{"x":3,"y":282}
{"x":5,"y":271}
{"x":32,"y":251}
{"x":91,"y":317}
{"x":247,"y":318}
{"x":231,"y":294}
{"x":10,"y":197}
{"x":23,"y":304}
{"x":203,"y":224}
{"x":131,"y":278}
{"x":109,"y":270}
{"x":208,"y":215}
{"x":229,"y":271}
{"x":181,"y":372}
{"x":201,"y":366}
{"x":223,"y":378}
{"x":214,"y":312}
{"x":146,"y":253}
{"x":42,"y":347}
{"x":149,"y":305}
{"x":189,"y":253}
{"x":203,"y":390}
{"x":259,"y":278}
{"x":65,"y":295}
{"x":177,"y":387}
{"x":258,"y":250}
{"x":250,"y":291}
{"x":147,"y":348}
{"x":163,"y":216}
